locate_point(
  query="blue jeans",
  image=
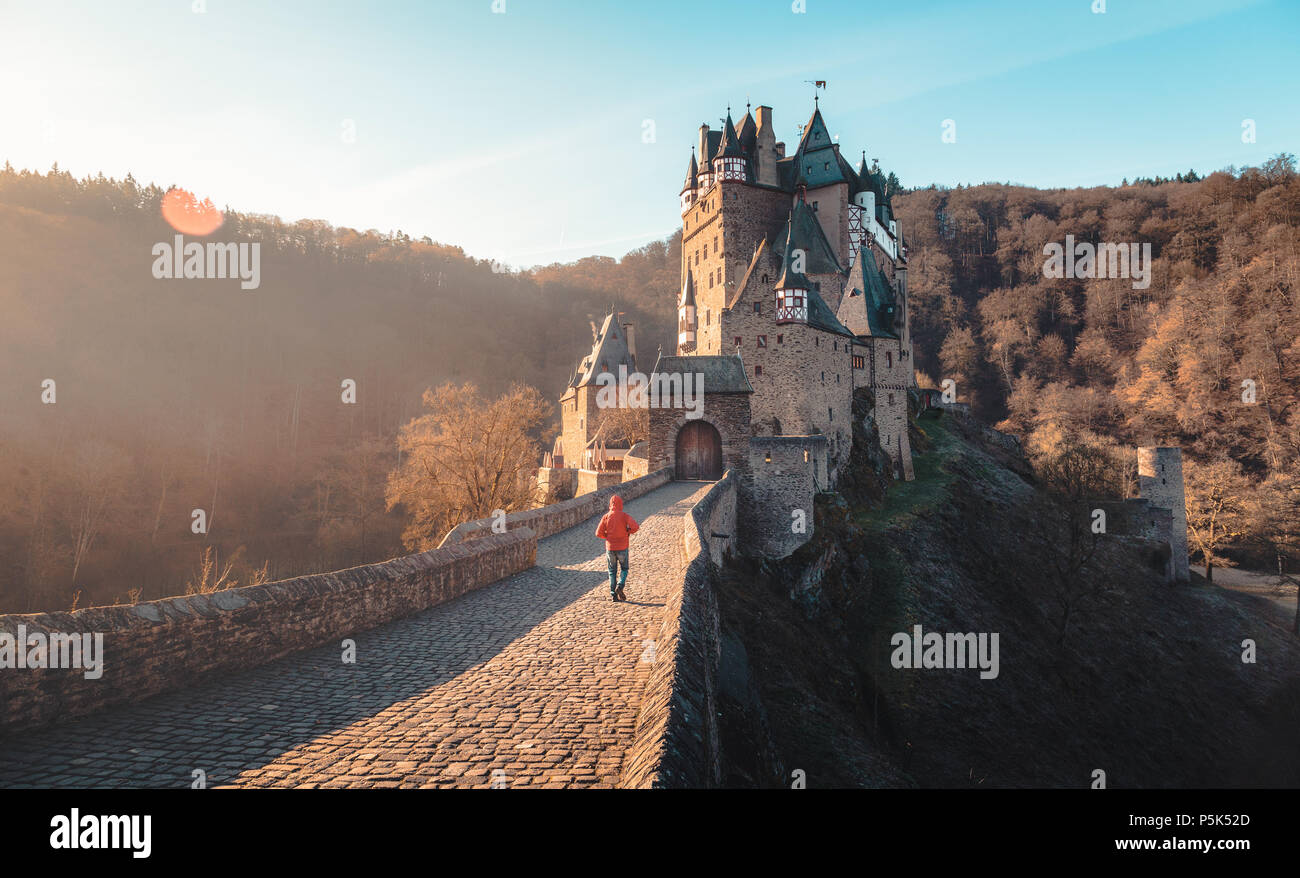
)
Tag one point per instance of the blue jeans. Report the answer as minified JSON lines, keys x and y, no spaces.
{"x":616,"y":560}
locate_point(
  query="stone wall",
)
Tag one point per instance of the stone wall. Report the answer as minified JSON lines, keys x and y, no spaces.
{"x":676,"y":743}
{"x":1137,"y":518}
{"x":727,"y":412}
{"x":154,"y":646}
{"x":1160,"y":480}
{"x":556,"y":483}
{"x":785,"y":473}
{"x":802,"y":376}
{"x":552,"y":519}
{"x":591,"y":480}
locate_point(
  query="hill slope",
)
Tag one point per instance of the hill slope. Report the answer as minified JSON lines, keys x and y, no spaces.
{"x":1149,"y":685}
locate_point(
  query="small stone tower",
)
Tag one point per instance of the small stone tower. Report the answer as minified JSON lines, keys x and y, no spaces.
{"x":1160,"y":480}
{"x":686,"y":317}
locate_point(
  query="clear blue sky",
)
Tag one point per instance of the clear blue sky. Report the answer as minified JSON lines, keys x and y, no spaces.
{"x":519,"y":135}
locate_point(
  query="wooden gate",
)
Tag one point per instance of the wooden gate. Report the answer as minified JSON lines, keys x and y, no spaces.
{"x":699,"y":451}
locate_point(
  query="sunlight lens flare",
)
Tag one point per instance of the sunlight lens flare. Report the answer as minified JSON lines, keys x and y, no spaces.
{"x":189,"y":216}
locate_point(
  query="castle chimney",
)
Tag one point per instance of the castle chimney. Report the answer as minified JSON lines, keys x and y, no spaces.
{"x":704,"y":145}
{"x":780,"y":149}
{"x":766,"y":149}
{"x":629,"y":333}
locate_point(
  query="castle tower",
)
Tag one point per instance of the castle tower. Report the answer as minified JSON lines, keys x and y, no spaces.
{"x":1160,"y":480}
{"x":705,"y":178}
{"x":729,"y":163}
{"x":692,"y":182}
{"x":686,"y":317}
{"x":861,"y":210}
{"x":792,"y":286}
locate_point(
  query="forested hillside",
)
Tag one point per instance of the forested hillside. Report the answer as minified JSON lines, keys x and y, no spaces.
{"x":1206,"y":357}
{"x":180,"y":395}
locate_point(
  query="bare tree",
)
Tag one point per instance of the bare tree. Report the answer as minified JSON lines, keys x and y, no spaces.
{"x":1074,"y":477}
{"x":100,"y":472}
{"x":1216,"y":509}
{"x":466,"y":458}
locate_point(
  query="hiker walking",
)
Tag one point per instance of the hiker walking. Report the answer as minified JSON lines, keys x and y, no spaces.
{"x":615,"y":528}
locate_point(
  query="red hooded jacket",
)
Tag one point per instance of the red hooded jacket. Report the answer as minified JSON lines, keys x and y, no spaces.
{"x":616,"y":526}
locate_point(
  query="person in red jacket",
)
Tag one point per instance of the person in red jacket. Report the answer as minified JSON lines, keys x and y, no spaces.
{"x":615,"y":528}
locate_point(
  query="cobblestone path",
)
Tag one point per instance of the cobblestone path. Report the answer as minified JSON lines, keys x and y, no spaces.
{"x":533,"y":681}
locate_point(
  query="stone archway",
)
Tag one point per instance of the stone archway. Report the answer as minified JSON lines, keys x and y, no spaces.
{"x":698,"y":451}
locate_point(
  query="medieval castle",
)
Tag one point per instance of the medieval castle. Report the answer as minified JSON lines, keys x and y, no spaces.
{"x":793,"y":295}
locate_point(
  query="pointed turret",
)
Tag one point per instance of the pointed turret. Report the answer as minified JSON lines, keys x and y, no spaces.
{"x":691,"y":184}
{"x":686,"y":316}
{"x":748,"y":134}
{"x":729,"y":162}
{"x":792,"y":286}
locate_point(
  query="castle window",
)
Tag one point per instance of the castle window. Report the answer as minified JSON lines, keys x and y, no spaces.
{"x":765,"y":277}
{"x":837,"y":378}
{"x":889,"y":358}
{"x":837,"y":345}
{"x":758,"y":370}
{"x":891,"y":399}
{"x":737,"y":341}
{"x":758,"y":307}
{"x":710,"y":280}
{"x":823,"y":378}
{"x":762,"y":341}
{"x":814,"y":207}
{"x":767,"y":458}
{"x":826,"y":166}
{"x":780,"y":339}
{"x":830,"y":414}
{"x":805,"y":455}
{"x":859,"y":362}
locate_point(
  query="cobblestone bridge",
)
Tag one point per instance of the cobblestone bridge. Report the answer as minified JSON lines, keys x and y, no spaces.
{"x":532,"y":681}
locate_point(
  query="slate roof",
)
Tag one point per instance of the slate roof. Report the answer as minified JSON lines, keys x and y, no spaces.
{"x":867,"y":308}
{"x":730,"y":143}
{"x":818,"y":162}
{"x":722,"y":374}
{"x":807,"y":234}
{"x":608,"y":351}
{"x":688,"y":291}
{"x":803,"y":231}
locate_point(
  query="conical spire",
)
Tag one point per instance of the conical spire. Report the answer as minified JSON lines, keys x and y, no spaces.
{"x":692,"y":173}
{"x":790,"y":278}
{"x":688,"y":291}
{"x":729,"y":147}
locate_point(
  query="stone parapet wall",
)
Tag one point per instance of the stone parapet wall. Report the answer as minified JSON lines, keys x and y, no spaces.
{"x":676,"y":743}
{"x":552,"y":519}
{"x":155,"y":646}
